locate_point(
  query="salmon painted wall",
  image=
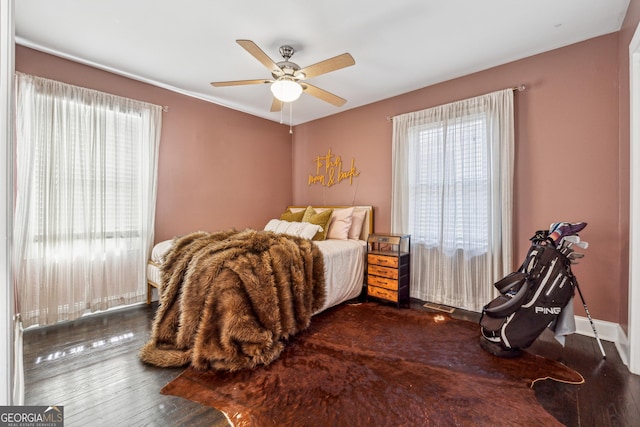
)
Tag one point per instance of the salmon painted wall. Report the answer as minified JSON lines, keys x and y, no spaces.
{"x":218,"y":168}
{"x":567,"y":154}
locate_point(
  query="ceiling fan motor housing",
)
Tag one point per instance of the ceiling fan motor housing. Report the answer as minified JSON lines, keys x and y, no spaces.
{"x":287,"y":67}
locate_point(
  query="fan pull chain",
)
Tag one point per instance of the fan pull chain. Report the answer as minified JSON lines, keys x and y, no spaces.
{"x":290,"y":118}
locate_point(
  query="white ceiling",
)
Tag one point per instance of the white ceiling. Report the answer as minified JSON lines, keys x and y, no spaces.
{"x":399,"y":46}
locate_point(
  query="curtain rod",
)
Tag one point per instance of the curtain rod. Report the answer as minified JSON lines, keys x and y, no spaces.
{"x":165,"y":108}
{"x":519,"y":88}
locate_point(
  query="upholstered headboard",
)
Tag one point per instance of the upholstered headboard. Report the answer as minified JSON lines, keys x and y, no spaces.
{"x":367,"y":225}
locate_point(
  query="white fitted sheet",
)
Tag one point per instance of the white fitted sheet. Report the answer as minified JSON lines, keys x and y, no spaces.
{"x":343,"y":270}
{"x":153,"y":273}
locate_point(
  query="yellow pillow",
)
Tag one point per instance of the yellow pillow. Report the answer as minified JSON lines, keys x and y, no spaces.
{"x":292,"y":216}
{"x":319,"y":218}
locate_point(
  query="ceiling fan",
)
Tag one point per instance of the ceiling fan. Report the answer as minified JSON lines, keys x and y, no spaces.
{"x":288,"y":80}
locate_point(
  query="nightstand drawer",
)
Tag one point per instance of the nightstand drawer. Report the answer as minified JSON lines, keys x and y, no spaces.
{"x":376,"y":270}
{"x":382,"y":282}
{"x":386,"y":261}
{"x":383,"y":293}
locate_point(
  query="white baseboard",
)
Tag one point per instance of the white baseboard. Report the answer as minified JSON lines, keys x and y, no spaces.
{"x":607,"y":331}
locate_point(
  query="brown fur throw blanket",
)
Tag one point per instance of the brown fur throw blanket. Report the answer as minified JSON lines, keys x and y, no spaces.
{"x":230,"y":300}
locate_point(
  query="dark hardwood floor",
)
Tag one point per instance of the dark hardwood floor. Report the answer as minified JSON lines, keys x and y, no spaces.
{"x":91,"y":367}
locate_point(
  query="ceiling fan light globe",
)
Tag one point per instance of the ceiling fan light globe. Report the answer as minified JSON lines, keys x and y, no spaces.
{"x":286,"y":90}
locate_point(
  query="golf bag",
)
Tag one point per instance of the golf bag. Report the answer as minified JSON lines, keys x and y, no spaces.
{"x":530,"y":299}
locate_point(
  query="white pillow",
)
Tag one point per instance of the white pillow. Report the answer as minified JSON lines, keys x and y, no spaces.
{"x":356,"y":224}
{"x":340,"y":224}
{"x":160,"y":250}
{"x":300,"y":229}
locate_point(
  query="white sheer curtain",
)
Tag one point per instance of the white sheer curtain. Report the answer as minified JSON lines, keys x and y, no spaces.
{"x":452,"y":185}
{"x":85,"y":200}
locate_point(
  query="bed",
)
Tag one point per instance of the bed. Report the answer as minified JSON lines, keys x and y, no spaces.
{"x":219,"y":322}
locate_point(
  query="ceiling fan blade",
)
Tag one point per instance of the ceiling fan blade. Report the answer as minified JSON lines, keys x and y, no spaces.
{"x":259,"y":54}
{"x":241,"y":82}
{"x":276,"y":105}
{"x":326,"y":66}
{"x":323,"y":94}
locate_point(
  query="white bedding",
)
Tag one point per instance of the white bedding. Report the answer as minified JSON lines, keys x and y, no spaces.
{"x":156,"y":259}
{"x":344,"y":260}
{"x":153,"y":273}
{"x":343,"y":268}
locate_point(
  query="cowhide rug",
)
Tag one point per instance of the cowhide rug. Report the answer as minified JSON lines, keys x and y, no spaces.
{"x":375,"y":365}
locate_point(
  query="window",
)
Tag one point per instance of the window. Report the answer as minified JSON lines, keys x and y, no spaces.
{"x":449,"y":202}
{"x":97,"y":183}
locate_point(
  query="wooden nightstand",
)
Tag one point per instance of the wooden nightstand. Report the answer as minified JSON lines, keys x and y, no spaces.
{"x":388,"y":257}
